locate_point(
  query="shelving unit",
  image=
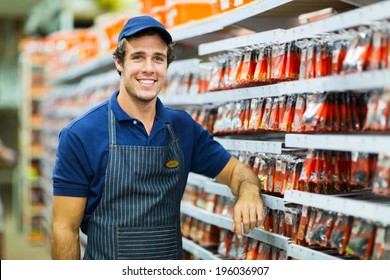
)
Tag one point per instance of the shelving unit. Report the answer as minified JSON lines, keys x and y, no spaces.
{"x":206,"y":36}
{"x":33,"y":193}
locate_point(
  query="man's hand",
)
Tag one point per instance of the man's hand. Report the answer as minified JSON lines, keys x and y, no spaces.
{"x":248,"y":211}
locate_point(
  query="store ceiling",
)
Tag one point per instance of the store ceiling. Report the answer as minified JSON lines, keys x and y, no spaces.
{"x":16,"y":9}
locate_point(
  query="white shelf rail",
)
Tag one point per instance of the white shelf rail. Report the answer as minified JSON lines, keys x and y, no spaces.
{"x":227,"y":223}
{"x":253,"y":146}
{"x":356,"y":81}
{"x":197,"y":250}
{"x":375,"y":211}
{"x":341,"y":142}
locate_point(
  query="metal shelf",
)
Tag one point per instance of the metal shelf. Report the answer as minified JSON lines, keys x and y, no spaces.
{"x":251,"y":145}
{"x":357,"y":206}
{"x":341,"y":142}
{"x":357,"y":81}
{"x":227,"y":223}
{"x":197,"y":250}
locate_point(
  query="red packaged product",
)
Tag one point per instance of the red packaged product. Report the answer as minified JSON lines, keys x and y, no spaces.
{"x":299,"y":111}
{"x":360,"y":170}
{"x":314,"y":111}
{"x":322,"y":228}
{"x":282,"y":101}
{"x":361,"y":240}
{"x":225,"y":241}
{"x":266,"y":113}
{"x":248,"y":68}
{"x":292,"y":61}
{"x":288,"y":114}
{"x":273,"y":122}
{"x":341,"y":232}
{"x":303,"y":223}
{"x":256,"y":114}
{"x":339,"y":51}
{"x":381,"y":181}
{"x":210,"y":237}
{"x":357,"y":54}
{"x":253,"y":249}
{"x":279,"y":58}
{"x":381,"y":249}
{"x":262,"y":74}
{"x":264,"y":252}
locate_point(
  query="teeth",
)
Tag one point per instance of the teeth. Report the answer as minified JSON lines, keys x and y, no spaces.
{"x":149,"y":82}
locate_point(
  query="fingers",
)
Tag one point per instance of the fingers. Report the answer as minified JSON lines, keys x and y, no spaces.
{"x":246,"y":218}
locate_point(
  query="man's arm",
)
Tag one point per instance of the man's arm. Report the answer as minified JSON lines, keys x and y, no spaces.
{"x":67,"y":215}
{"x":245,"y":185}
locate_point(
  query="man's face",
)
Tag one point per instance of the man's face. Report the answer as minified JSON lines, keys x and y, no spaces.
{"x":144,"y":67}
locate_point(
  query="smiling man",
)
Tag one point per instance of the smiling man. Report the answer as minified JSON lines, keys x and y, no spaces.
{"x":122,"y":167}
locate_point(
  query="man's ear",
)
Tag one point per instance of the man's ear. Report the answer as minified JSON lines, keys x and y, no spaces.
{"x":118,"y":64}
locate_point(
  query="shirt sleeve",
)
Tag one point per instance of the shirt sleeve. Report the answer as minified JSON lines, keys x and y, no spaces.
{"x":209,"y":157}
{"x":72,"y":172}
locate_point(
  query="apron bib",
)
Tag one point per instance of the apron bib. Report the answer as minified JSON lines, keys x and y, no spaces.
{"x":137,"y":217}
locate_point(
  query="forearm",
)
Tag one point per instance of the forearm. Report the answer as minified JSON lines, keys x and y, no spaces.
{"x":65,"y":244}
{"x":244,"y":181}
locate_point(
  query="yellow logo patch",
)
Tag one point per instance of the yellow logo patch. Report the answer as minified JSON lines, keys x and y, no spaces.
{"x":172,"y":164}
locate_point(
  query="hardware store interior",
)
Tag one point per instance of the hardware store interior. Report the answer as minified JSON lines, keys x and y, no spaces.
{"x":298,"y":90}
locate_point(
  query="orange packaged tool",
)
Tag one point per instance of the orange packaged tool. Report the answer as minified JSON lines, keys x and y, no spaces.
{"x":307,"y":170}
{"x":268,"y":219}
{"x":288,"y":115}
{"x":323,"y":60}
{"x":264,"y":252}
{"x":282,"y":101}
{"x":381,"y":249}
{"x":341,"y":232}
{"x":377,"y":50}
{"x":360,"y":170}
{"x":233,"y":68}
{"x":266,"y":113}
{"x":273,"y":122}
{"x":314,"y":111}
{"x":303,"y":222}
{"x":217,"y":74}
{"x":299,"y":111}
{"x":210,"y":237}
{"x":339,"y":51}
{"x":361,"y":240}
{"x":236,"y":73}
{"x":289,"y":177}
{"x":245,"y":77}
{"x":253,"y":249}
{"x":282,"y":224}
{"x":322,"y":228}
{"x":381,"y":181}
{"x":357,"y":54}
{"x":312,"y":219}
{"x":263,"y":172}
{"x":225,"y":241}
{"x":256,"y":114}
{"x":292,"y":61}
{"x":311,"y":60}
{"x":262,"y":74}
{"x":279,"y":57}
{"x":276,"y":214}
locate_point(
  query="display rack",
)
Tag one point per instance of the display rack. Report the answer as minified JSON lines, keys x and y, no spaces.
{"x":210,"y":29}
{"x":34,"y":195}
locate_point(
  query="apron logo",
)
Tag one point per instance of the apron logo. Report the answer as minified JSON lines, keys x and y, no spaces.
{"x":172,"y":164}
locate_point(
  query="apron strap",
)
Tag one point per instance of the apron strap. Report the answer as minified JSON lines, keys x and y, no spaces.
{"x":111,"y":127}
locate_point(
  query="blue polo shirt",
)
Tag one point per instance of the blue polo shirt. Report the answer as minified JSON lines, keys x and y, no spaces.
{"x":82,"y":153}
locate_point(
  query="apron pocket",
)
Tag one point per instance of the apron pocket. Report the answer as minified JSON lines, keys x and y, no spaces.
{"x":153,"y":243}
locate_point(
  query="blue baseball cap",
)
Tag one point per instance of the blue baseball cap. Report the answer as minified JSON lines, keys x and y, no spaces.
{"x":139,"y":23}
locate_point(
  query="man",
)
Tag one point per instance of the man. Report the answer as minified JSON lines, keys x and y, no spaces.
{"x":122,"y":167}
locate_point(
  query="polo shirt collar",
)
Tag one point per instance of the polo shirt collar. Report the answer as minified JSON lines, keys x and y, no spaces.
{"x":120,"y":115}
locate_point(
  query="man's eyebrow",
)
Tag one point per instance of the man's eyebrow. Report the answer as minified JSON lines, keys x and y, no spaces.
{"x":143,"y":53}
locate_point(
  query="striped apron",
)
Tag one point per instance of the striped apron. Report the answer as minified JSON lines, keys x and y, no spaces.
{"x":138,"y":216}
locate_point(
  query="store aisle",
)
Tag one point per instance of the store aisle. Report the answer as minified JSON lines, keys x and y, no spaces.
{"x":17,"y":246}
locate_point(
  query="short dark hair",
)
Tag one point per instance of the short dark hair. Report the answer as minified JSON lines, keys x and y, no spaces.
{"x":120,"y":51}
